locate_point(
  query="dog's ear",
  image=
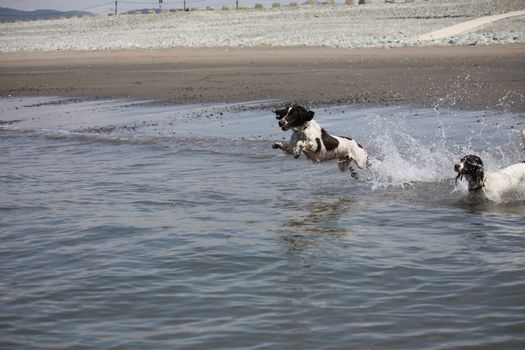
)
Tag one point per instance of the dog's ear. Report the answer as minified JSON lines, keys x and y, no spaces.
{"x":280,"y":113}
{"x":310,"y":115}
{"x":479,"y":170}
{"x":474,"y":164}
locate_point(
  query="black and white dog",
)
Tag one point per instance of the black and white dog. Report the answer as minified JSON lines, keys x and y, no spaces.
{"x":491,"y":185}
{"x":316,"y":144}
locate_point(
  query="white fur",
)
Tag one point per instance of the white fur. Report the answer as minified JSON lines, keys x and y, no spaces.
{"x":505,"y":183}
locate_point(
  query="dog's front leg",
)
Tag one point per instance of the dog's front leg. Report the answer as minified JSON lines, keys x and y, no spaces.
{"x":300,"y":146}
{"x":286,"y":147}
{"x":311,"y":149}
{"x":297,"y":151}
{"x":289,"y":147}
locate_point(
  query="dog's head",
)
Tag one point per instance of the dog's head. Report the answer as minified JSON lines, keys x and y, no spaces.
{"x":471,"y":167}
{"x":293,"y":117}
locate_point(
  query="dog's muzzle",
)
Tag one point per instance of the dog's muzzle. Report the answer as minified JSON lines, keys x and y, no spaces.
{"x":283,"y":124}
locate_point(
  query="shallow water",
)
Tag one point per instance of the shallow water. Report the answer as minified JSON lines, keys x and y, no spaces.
{"x":132,"y":225}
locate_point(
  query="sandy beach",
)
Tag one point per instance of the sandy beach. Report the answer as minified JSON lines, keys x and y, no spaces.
{"x":371,"y":54}
{"x":480,"y":77}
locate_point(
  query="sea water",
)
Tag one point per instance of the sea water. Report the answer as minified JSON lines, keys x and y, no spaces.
{"x":132,"y":225}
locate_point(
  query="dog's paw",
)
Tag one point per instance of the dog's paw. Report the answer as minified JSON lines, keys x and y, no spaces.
{"x":353,"y":173}
{"x":277,"y":145}
{"x":296,"y":154}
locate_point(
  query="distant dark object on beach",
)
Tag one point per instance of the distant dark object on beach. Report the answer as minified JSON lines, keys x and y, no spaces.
{"x":12,"y":15}
{"x":149,"y":11}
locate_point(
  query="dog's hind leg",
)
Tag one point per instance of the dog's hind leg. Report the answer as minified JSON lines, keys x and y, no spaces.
{"x":344,"y":163}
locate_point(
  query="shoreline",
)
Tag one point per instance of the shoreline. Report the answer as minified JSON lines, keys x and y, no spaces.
{"x":465,"y":77}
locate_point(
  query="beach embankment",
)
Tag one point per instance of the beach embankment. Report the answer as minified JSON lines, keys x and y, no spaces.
{"x":340,"y":26}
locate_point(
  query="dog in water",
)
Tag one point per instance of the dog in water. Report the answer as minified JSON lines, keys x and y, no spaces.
{"x":317,"y":145}
{"x":491,"y":185}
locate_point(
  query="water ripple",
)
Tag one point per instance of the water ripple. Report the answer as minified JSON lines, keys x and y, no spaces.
{"x":217,"y":241}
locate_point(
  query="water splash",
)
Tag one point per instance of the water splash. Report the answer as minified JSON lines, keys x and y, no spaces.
{"x":400,"y":158}
{"x":411,"y":147}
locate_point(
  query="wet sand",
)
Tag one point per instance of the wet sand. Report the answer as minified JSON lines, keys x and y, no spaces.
{"x":479,"y":77}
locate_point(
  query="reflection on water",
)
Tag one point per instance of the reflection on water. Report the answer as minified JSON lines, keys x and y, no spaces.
{"x":129,"y":225}
{"x":315,"y":222}
{"x":320,"y":217}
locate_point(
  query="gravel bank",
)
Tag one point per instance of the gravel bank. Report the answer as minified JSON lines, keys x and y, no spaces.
{"x":387,"y":25}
